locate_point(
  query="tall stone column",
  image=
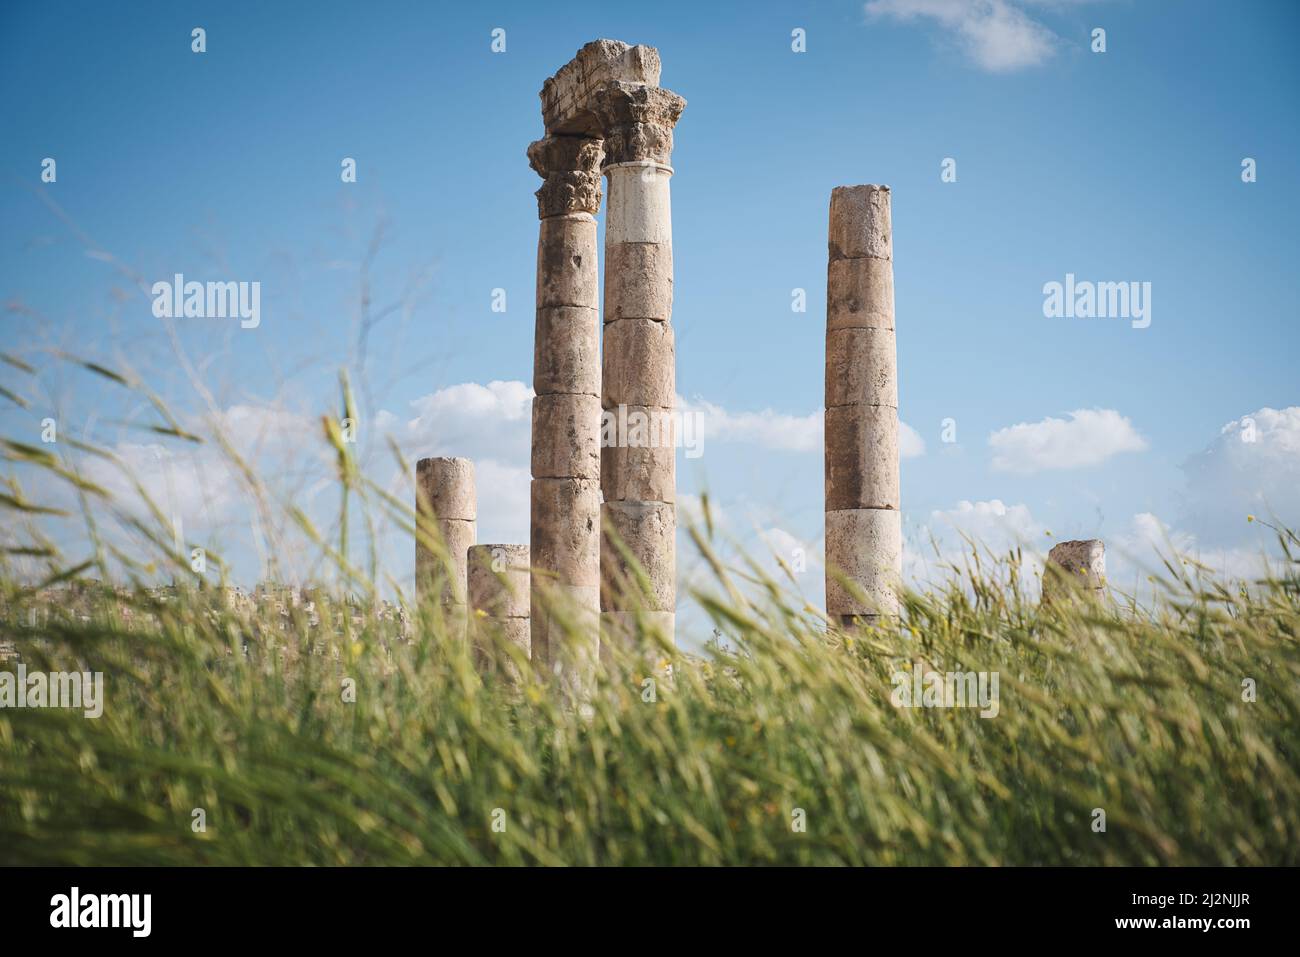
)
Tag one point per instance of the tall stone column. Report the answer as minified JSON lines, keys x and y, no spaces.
{"x":863,"y":530}
{"x":499,"y":599}
{"x":638,"y":455}
{"x":1075,"y":569}
{"x":565,"y":520}
{"x":446,"y":518}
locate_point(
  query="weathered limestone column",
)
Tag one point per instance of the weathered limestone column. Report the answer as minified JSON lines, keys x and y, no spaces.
{"x":638,"y":455}
{"x":1075,"y":570}
{"x":446,"y":517}
{"x":499,"y":597}
{"x":565,"y":520}
{"x":863,"y":530}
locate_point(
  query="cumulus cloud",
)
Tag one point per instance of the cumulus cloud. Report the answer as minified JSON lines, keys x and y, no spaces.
{"x":1089,"y":437}
{"x":1251,"y":467}
{"x":491,"y":424}
{"x":198,"y":484}
{"x":767,"y":428}
{"x":996,"y":35}
{"x":779,"y":431}
{"x":492,"y":421}
{"x":946,"y":537}
{"x":910,"y":443}
{"x":1148,"y":542}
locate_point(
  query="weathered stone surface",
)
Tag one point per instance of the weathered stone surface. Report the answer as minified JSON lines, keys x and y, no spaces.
{"x":457,"y":536}
{"x":570,"y":170}
{"x":492,"y":636}
{"x":565,"y":628}
{"x":861,"y":367}
{"x":567,"y":271}
{"x":638,"y":281}
{"x":1085,"y":558}
{"x":1074,"y":569}
{"x":648,"y":532}
{"x":637,"y":121}
{"x":639,"y":208}
{"x":860,"y":294}
{"x":863,"y":526}
{"x":445,"y":486}
{"x":864,"y":546}
{"x":566,"y":436}
{"x":498,"y":580}
{"x":609,"y":91}
{"x":639,"y":427}
{"x":639,"y":364}
{"x":634,"y":630}
{"x":859,"y":221}
{"x":862,"y":457}
{"x":639,"y":474}
{"x":566,"y":354}
{"x":565,"y":552}
{"x":566,"y":96}
{"x":859,"y":622}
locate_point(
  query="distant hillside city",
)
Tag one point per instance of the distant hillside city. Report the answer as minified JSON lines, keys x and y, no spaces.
{"x":271,"y":607}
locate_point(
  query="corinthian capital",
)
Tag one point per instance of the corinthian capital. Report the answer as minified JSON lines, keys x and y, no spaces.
{"x":638,"y":121}
{"x":570,"y":170}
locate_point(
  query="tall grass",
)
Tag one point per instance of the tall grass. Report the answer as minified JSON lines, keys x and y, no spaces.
{"x":777,"y":744}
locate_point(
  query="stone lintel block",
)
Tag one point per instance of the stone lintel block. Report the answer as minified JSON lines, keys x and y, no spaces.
{"x":860,"y":294}
{"x":638,"y":364}
{"x":861,"y":367}
{"x":566,"y":436}
{"x":864,"y":546}
{"x":861,"y":457}
{"x":445,"y":488}
{"x":498,"y":580}
{"x":567,"y":270}
{"x":638,"y":208}
{"x":566,"y":350}
{"x":566,"y":96}
{"x":565,"y":536}
{"x":860,"y":223}
{"x":638,"y":281}
{"x":648,"y":532}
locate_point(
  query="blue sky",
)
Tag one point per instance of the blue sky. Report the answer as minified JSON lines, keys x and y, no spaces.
{"x":1115,"y":166}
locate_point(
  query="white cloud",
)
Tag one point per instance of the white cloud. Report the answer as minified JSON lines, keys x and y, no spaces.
{"x":492,"y":421}
{"x":947,"y":537}
{"x":1143,"y":547}
{"x":199,"y":484}
{"x":991,"y":524}
{"x":779,"y":431}
{"x":995,"y":34}
{"x":1251,"y":467}
{"x":767,"y":428}
{"x":910,"y":443}
{"x":491,"y":424}
{"x":1089,"y":437}
{"x":798,"y":554}
{"x":503,"y":503}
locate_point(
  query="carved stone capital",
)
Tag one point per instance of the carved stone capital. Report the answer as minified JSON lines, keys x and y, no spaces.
{"x":638,"y":121}
{"x":570,"y":171}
